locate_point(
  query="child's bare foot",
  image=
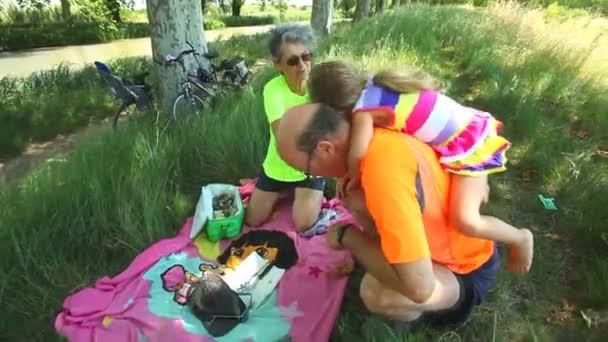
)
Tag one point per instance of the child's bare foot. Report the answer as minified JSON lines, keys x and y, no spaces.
{"x":520,"y":258}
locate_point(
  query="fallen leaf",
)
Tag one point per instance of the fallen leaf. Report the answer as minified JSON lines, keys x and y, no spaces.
{"x":554,"y":237}
{"x":562,"y":315}
{"x":579,"y":133}
{"x":567,"y":306}
{"x":592,"y":318}
{"x":601,"y":153}
{"x":527,"y":176}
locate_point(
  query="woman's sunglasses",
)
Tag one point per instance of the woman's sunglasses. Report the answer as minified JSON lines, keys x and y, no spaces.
{"x":295,"y":60}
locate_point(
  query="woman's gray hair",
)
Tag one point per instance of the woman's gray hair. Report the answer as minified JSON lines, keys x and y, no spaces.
{"x":289,"y":33}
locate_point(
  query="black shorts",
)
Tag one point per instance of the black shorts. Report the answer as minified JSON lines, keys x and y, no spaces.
{"x":473,"y":289}
{"x":266,"y":183}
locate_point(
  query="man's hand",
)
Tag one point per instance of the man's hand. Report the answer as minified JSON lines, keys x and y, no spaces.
{"x":354,"y":182}
{"x":341,"y":188}
{"x":343,"y":269}
{"x":347,"y":184}
{"x":332,"y":236}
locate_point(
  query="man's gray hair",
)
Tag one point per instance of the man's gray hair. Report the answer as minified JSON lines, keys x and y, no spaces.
{"x":290,"y":33}
{"x":325,"y":122}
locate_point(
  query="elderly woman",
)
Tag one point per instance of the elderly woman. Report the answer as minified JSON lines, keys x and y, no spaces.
{"x":291,"y":49}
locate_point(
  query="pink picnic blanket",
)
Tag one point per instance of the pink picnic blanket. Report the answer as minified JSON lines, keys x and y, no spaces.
{"x":134,"y":306}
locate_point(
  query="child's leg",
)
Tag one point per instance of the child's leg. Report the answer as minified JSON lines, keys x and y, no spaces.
{"x":466,"y":196}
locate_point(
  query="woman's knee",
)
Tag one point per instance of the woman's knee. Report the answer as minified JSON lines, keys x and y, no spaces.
{"x":304,"y":219}
{"x":253,"y":218}
{"x":304,"y":216}
{"x":306,"y":208}
{"x":260,"y":207}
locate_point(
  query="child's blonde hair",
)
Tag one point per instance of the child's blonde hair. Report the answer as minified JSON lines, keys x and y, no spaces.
{"x":339,"y":85}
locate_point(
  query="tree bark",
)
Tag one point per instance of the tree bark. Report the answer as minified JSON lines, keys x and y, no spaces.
{"x":362,"y":9}
{"x":321,"y":17}
{"x":173,"y":23}
{"x":223,"y":5}
{"x":65,"y":10}
{"x":380,"y":5}
{"x":236,"y":7}
{"x":114,"y":8}
{"x":396,"y":3}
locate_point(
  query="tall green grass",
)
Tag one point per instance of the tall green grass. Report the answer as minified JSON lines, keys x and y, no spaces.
{"x":70,"y":223}
{"x":33,"y":28}
{"x":554,"y":103}
{"x":58,"y":101}
{"x":528,"y":79}
{"x":115,"y":195}
{"x":61,"y":100}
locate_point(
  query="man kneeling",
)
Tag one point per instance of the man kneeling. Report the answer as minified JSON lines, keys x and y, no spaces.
{"x":418,"y":266}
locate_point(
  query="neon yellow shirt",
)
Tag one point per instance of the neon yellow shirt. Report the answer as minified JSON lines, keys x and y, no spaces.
{"x":278,"y":98}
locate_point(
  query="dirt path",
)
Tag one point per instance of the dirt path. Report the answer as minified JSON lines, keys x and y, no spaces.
{"x":56,"y":150}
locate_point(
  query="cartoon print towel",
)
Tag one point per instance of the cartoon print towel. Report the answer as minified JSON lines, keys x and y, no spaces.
{"x":146,"y":301}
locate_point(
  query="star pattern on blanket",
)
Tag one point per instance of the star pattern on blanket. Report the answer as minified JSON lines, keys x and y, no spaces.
{"x":314,"y":271}
{"x":291,"y":312}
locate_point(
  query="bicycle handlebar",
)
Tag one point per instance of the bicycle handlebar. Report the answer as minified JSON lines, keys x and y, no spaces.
{"x":169,"y":59}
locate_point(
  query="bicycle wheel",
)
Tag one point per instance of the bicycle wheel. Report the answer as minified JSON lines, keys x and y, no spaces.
{"x":187,"y":104}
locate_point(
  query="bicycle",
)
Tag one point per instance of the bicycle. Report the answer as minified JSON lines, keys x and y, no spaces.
{"x":231,"y":73}
{"x":128,"y":92}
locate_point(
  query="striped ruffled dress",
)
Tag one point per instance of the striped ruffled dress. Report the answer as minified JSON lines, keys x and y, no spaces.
{"x":465,"y":138}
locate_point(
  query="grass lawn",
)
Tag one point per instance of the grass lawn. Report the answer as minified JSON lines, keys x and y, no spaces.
{"x":70,"y":223}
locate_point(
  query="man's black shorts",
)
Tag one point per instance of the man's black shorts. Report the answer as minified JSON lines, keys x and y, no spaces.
{"x":266,"y":183}
{"x":473,"y":289}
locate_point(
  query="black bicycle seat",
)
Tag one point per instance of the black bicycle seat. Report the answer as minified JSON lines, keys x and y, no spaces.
{"x":211,"y":54}
{"x":230,"y":63}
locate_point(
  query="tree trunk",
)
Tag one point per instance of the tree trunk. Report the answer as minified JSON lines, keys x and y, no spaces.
{"x":236,"y":7}
{"x":173,"y":23}
{"x":380,"y":5}
{"x":114,"y":8}
{"x":65,"y":10}
{"x":396,"y":3}
{"x":321,"y":17}
{"x":223,"y":5}
{"x":362,"y":9}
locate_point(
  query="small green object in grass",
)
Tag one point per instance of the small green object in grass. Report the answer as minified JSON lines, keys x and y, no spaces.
{"x":548,"y":202}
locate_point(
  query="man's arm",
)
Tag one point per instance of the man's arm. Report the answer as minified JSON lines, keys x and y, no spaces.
{"x":402,"y":257}
{"x":415,"y":280}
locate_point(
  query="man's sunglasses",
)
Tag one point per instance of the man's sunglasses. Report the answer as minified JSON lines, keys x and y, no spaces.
{"x":295,"y":60}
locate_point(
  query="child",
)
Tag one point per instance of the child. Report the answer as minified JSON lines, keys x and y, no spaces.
{"x":465,"y":139}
